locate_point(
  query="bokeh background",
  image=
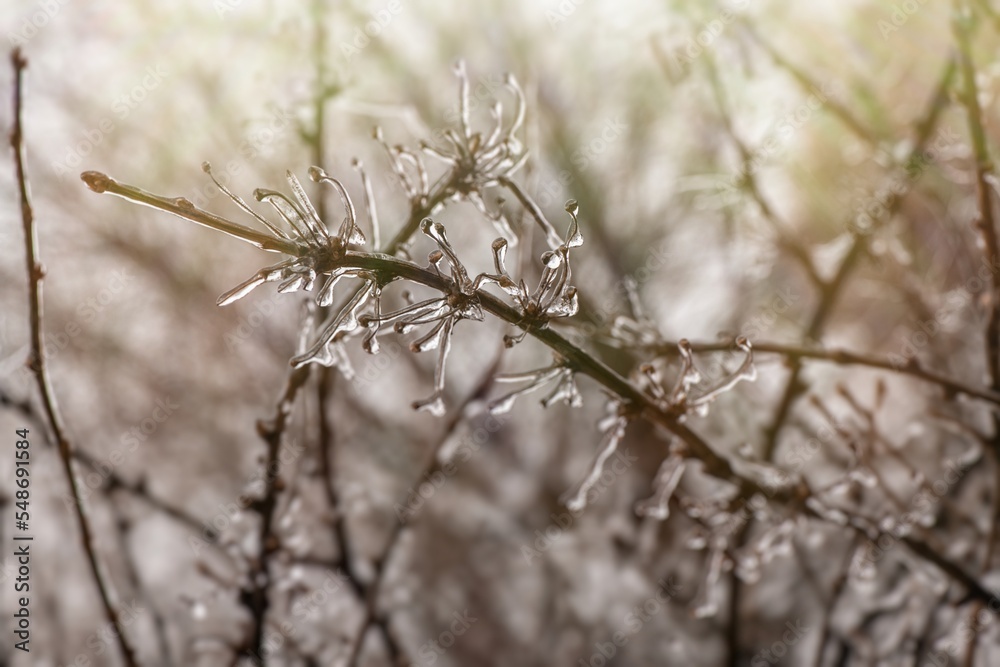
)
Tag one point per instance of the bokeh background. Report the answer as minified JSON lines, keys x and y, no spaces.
{"x":636,"y":109}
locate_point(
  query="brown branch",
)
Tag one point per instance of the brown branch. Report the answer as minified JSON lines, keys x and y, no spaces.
{"x":256,"y":596}
{"x":809,"y":84}
{"x":642,"y":403}
{"x":986,"y":226}
{"x":984,"y":170}
{"x":797,"y":353}
{"x":749,"y":180}
{"x":857,"y":250}
{"x":37,"y":363}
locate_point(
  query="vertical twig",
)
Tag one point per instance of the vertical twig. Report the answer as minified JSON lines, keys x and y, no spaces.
{"x":256,"y":597}
{"x":36,"y":272}
{"x":372,"y":616}
{"x":986,"y":226}
{"x":984,"y":221}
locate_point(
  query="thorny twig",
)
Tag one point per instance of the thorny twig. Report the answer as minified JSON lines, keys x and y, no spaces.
{"x":37,"y":363}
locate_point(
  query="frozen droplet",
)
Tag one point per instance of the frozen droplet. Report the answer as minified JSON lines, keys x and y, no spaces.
{"x":578,"y":500}
{"x":748,"y":568}
{"x":696,"y":541}
{"x":667,"y":479}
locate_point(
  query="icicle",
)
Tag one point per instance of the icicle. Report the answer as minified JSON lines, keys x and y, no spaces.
{"x":370,"y":206}
{"x":436,"y":231}
{"x":345,"y":321}
{"x":748,"y":567}
{"x":239,"y":201}
{"x":502,"y":279}
{"x":706,"y":605}
{"x":634,"y":302}
{"x":689,"y":375}
{"x":511,"y":82}
{"x":862,"y":568}
{"x":654,"y":383}
{"x":435,"y":403}
{"x":370,"y":341}
{"x":535,"y":379}
{"x":612,"y":438}
{"x":397,"y":166}
{"x":667,"y":478}
{"x":311,"y":217}
{"x":574,"y":239}
{"x":289,"y":213}
{"x":268,"y":274}
{"x":350,"y":233}
{"x":497,"y":219}
{"x":746,"y":371}
{"x":463,"y":97}
{"x":565,"y":391}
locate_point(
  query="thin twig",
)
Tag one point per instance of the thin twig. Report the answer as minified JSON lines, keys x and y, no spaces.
{"x":433,"y":464}
{"x":37,"y":363}
{"x":984,"y":221}
{"x":256,"y":596}
{"x":809,"y":84}
{"x":842,"y":357}
{"x":749,"y":180}
{"x":986,"y":225}
{"x":830,"y":294}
